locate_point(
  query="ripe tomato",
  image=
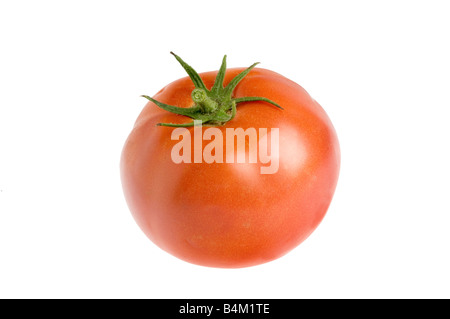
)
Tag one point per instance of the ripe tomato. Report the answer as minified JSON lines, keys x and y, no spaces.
{"x":229,"y":214}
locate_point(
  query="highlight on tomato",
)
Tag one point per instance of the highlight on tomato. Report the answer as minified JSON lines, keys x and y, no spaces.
{"x":231,"y":168}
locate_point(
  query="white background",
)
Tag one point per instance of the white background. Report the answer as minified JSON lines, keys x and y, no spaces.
{"x":71,"y":73}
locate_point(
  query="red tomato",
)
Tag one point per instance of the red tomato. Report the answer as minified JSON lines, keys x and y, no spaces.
{"x":230,"y":214}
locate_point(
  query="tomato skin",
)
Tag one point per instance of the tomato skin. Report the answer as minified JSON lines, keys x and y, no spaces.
{"x":228,"y":214}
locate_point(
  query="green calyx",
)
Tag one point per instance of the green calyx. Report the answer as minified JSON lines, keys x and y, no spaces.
{"x":212,"y":107}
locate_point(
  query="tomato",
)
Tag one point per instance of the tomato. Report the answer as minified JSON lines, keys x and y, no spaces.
{"x":227,"y":213}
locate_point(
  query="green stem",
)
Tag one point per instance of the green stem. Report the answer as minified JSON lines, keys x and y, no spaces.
{"x":200,"y":97}
{"x":212,"y":107}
